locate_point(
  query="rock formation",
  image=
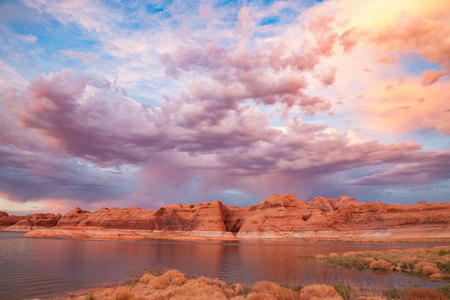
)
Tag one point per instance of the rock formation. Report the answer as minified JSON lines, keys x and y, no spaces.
{"x":7,"y":220}
{"x":35,"y":221}
{"x":277,"y":216}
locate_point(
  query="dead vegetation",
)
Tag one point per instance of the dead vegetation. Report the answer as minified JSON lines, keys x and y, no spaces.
{"x":175,"y":285}
{"x":430,"y":262}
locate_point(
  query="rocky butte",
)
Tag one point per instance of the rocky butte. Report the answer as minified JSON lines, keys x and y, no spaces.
{"x":276,"y":217}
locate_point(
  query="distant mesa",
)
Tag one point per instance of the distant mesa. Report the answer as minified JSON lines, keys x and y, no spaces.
{"x":276,"y":217}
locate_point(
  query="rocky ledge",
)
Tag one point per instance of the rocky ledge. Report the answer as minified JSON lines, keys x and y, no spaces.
{"x":276,"y":217}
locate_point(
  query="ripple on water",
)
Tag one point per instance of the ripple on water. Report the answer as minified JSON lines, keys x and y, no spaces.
{"x":43,"y":268}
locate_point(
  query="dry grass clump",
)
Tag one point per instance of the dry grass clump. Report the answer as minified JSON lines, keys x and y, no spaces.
{"x":171,"y":277}
{"x":320,"y":256}
{"x":178,"y":287}
{"x":193,"y":289}
{"x":350,"y":254}
{"x":423,"y":294}
{"x":319,"y":291}
{"x":367,"y":261}
{"x":123,"y":293}
{"x":271,"y":289}
{"x":426,"y":268}
{"x":146,"y":278}
{"x":380,"y":265}
{"x":425,"y":261}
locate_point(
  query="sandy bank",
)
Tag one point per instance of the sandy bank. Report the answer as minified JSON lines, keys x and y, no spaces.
{"x":387,"y":235}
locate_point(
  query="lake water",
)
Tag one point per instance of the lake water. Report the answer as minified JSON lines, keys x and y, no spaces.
{"x":45,"y":268}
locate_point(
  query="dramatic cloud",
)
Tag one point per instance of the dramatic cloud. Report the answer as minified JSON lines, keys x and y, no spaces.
{"x":148,"y":104}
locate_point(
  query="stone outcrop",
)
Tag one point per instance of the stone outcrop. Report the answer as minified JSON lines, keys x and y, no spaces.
{"x":35,"y":221}
{"x":132,"y":218}
{"x":6,"y":220}
{"x":73,"y":217}
{"x":277,"y":216}
{"x":204,"y":216}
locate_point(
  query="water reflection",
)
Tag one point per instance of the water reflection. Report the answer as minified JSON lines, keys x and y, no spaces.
{"x":54,"y":267}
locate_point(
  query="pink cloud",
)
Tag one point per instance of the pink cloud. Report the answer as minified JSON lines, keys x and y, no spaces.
{"x":348,"y":40}
{"x":430,"y":38}
{"x":431,"y":76}
{"x":388,"y":60}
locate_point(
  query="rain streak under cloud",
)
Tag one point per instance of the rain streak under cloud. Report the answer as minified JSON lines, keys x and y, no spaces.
{"x":150,"y":103}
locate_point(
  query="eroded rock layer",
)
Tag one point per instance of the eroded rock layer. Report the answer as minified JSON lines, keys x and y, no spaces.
{"x":277,"y":216}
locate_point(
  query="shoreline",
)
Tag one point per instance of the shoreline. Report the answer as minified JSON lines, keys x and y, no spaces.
{"x":430,"y":235}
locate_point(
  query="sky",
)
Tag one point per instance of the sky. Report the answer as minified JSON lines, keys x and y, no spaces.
{"x":147,"y":103}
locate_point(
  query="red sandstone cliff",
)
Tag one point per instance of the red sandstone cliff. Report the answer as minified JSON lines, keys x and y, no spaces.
{"x":7,"y":220}
{"x":277,"y":216}
{"x":35,"y":221}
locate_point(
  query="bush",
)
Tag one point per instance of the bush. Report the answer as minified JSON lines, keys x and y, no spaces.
{"x":319,"y":291}
{"x":423,"y":294}
{"x":146,"y":278}
{"x":380,"y":265}
{"x":275,"y":290}
{"x":350,"y":254}
{"x":430,"y":270}
{"x":123,"y":293}
{"x":437,"y":276}
{"x":426,"y":268}
{"x":367,"y":261}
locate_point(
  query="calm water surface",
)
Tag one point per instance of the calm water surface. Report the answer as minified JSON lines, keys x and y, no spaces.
{"x":45,"y":268}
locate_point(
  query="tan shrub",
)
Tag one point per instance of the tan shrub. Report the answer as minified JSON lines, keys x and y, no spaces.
{"x":160,"y":282}
{"x":319,"y":291}
{"x":367,"y":260}
{"x":430,"y":270}
{"x":275,"y":290}
{"x":380,"y":265}
{"x":423,"y":294}
{"x":260,"y":296}
{"x":229,"y":293}
{"x":426,"y":268}
{"x":211,"y":281}
{"x":238,"y":288}
{"x":350,"y":254}
{"x":320,"y":256}
{"x":333,"y":255}
{"x":192,"y":289}
{"x":146,"y":278}
{"x":437,"y":276}
{"x":123,"y":293}
{"x":171,"y":277}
